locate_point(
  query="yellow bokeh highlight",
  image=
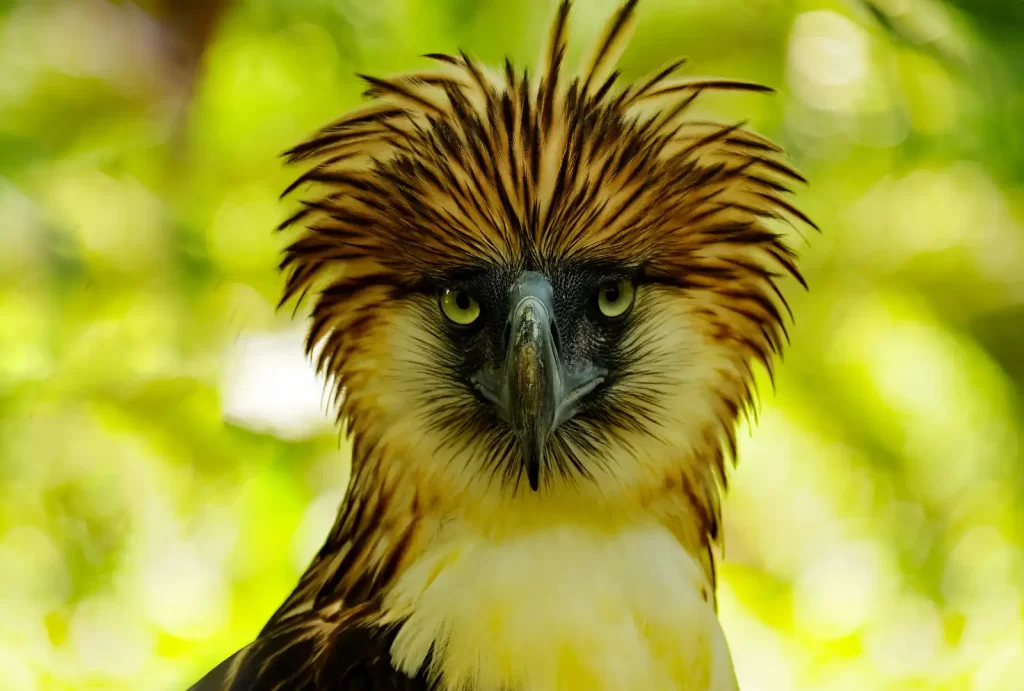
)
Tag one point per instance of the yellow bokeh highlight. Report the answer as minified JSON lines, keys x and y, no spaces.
{"x":168,"y":461}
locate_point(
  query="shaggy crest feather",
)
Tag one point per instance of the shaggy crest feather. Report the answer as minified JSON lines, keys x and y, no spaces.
{"x":457,"y":167}
{"x":446,"y":168}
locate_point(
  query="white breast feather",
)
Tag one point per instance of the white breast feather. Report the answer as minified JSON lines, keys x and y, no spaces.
{"x":568,"y":608}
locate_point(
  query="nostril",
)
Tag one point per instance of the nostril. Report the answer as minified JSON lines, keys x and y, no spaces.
{"x":506,"y":336}
{"x":556,"y":337}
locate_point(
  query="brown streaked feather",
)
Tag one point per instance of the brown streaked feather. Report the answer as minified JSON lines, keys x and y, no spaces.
{"x":673,"y":88}
{"x":407,"y":90}
{"x":609,"y":47}
{"x":551,"y":60}
{"x":654,"y":80}
{"x":788,"y":208}
{"x":364,"y":121}
{"x":415,"y":80}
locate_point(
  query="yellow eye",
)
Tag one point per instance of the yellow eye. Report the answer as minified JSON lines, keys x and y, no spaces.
{"x":613,"y":299}
{"x":459,"y":306}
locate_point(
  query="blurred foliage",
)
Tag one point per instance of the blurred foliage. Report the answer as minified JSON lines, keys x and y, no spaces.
{"x":166,"y":469}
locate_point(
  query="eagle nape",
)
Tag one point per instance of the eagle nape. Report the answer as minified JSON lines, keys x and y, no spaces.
{"x":534,"y":389}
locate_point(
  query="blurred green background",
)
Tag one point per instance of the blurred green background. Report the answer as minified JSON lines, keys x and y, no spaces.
{"x":166,"y":467}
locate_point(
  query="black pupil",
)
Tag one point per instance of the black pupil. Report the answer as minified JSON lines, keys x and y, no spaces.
{"x":611,"y":293}
{"x":462,"y":301}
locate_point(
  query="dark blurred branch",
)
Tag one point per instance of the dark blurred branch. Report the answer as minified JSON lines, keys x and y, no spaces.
{"x":1005,"y":16}
{"x":917,"y":30}
{"x":191,"y":25}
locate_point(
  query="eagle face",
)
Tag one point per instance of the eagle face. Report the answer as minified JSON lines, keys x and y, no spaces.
{"x":543,"y":284}
{"x":539,"y":354}
{"x":585,"y":375}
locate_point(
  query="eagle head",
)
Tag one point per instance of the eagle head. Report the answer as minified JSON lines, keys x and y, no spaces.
{"x":542,"y":288}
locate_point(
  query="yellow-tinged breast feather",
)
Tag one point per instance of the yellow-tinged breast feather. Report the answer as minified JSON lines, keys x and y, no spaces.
{"x":568,"y":608}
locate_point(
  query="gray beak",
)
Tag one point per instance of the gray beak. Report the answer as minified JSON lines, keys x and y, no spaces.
{"x":534,"y":390}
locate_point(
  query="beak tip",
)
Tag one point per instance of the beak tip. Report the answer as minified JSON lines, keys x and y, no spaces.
{"x":533,"y":476}
{"x":532,"y":455}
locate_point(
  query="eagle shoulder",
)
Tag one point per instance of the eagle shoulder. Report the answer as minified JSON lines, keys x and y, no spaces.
{"x":316,"y":651}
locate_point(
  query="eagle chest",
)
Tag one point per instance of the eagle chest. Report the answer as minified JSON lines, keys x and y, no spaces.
{"x":567,"y":609}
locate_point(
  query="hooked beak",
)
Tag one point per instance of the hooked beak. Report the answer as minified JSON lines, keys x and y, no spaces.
{"x":534,"y":390}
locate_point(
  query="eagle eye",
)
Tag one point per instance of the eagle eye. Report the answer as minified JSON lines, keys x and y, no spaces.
{"x":615,"y":298}
{"x":459,"y":306}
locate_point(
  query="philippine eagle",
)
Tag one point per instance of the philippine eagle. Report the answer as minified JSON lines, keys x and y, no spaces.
{"x":538,"y":301}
